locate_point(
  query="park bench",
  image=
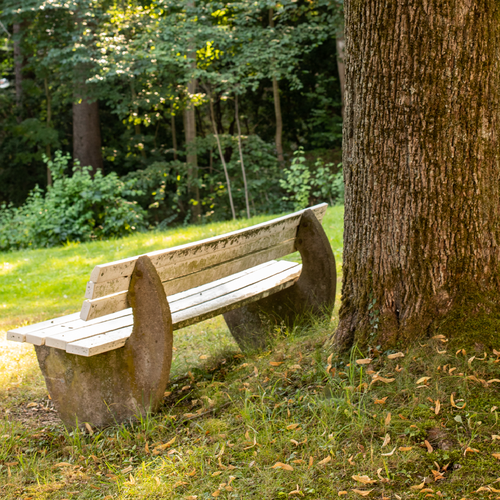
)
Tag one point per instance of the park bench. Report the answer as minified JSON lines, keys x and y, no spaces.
{"x":111,"y":362}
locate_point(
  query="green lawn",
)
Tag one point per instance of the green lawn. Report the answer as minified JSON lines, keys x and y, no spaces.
{"x":295,"y":421}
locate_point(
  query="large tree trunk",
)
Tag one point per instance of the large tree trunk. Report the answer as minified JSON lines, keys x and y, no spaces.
{"x":421,"y":163}
{"x":87,"y":134}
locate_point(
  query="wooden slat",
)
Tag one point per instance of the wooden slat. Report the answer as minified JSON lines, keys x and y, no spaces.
{"x":72,"y":323}
{"x":200,"y":312}
{"x":100,"y":307}
{"x":177,"y":303}
{"x":19,"y":334}
{"x":186,"y":265}
{"x":162,"y":258}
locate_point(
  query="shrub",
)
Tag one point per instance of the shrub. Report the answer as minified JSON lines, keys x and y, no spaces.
{"x":306,"y":187}
{"x":75,"y":208}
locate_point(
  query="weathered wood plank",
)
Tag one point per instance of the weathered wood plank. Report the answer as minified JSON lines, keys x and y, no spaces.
{"x":106,"y":305}
{"x":99,"y":326}
{"x":185,"y":265}
{"x":162,"y":258}
{"x":19,"y":334}
{"x":200,"y":312}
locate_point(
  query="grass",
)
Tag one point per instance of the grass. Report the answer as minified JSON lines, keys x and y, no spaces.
{"x":294,"y":421}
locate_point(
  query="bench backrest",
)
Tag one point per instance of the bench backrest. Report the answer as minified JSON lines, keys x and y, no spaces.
{"x":194,"y":264}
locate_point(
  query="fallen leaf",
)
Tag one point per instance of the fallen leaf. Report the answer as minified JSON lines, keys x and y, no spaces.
{"x":291,"y":427}
{"x":381,"y":401}
{"x":340,"y":493}
{"x":390,"y":453}
{"x":482,"y":488}
{"x":496,"y":455}
{"x":60,"y":464}
{"x":275,"y":363}
{"x":127,"y":469}
{"x":281,"y":465}
{"x":157,"y":479}
{"x":89,"y":429}
{"x":423,"y":380}
{"x":382,"y":379}
{"x":388,"y":419}
{"x":405,"y":448}
{"x":470,"y":450}
{"x":451,"y":370}
{"x":296,"y":491}
{"x":363,"y":493}
{"x":417,"y":486}
{"x":216,"y":493}
{"x":383,"y":479}
{"x":396,"y":355}
{"x":216,"y":473}
{"x":365,"y":361}
{"x":364,"y":479}
{"x":452,"y":401}
{"x":387,"y":440}
{"x":439,"y":337}
{"x":166,"y":445}
{"x":325,"y":460}
{"x":496,"y":353}
{"x":493,"y":380}
{"x":132,"y":480}
{"x":203,"y":356}
{"x":495,"y":436}
{"x":430,"y":449}
{"x":192,"y":497}
{"x":437,"y":407}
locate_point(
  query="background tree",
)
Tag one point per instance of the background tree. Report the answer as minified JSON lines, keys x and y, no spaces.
{"x":421,"y":251}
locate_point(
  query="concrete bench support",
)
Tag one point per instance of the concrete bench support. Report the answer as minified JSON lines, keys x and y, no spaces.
{"x":121,"y":384}
{"x":312,"y":296}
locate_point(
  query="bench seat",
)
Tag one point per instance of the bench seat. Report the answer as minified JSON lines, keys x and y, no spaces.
{"x":88,"y":338}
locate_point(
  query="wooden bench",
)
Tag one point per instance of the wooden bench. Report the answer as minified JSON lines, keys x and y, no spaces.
{"x":111,"y":361}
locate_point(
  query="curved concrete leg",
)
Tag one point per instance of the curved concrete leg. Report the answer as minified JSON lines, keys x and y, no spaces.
{"x":117,"y":386}
{"x":312,"y":296}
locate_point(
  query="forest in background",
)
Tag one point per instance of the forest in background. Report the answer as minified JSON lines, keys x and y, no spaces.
{"x":131,"y":115}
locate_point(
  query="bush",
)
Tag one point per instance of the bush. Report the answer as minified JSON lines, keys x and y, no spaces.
{"x":76,"y":208}
{"x":307,"y":187}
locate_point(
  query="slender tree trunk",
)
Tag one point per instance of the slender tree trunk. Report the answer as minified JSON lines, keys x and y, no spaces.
{"x":421,"y":232}
{"x":340,"y":44}
{"x":190,"y":135}
{"x":277,"y":106}
{"x":174,"y":132}
{"x":87,"y":134}
{"x":18,"y":70}
{"x":236,"y":115}
{"x":49,"y":125}
{"x":212,"y":114}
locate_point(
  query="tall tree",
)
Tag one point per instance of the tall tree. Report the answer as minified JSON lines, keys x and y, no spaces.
{"x":421,"y":142}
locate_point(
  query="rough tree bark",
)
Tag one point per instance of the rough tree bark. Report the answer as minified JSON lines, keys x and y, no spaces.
{"x":421,"y":163}
{"x":87,"y":134}
{"x":190,"y":136}
{"x":277,"y":106}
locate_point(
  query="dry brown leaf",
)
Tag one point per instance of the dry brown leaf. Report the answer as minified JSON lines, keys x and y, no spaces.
{"x":216,"y":473}
{"x":427,"y":490}
{"x":281,"y":465}
{"x":296,"y":491}
{"x":11,"y":464}
{"x":275,"y":363}
{"x":131,"y":479}
{"x":387,"y":440}
{"x":423,"y":380}
{"x":452,"y":401}
{"x":451,"y":370}
{"x":381,"y":401}
{"x":325,"y":460}
{"x":293,"y":441}
{"x":396,"y":355}
{"x":216,"y":493}
{"x":493,"y":380}
{"x":340,"y":493}
{"x":496,"y":455}
{"x":383,"y":479}
{"x":387,"y":420}
{"x":255,"y":371}
{"x":382,"y":379}
{"x":482,"y":488}
{"x":439,"y":337}
{"x":66,"y":464}
{"x":405,"y":448}
{"x":390,"y":453}
{"x":363,"y":493}
{"x":430,"y":449}
{"x":364,"y":479}
{"x":437,"y":407}
{"x":192,"y":497}
{"x":496,"y":353}
{"x":417,"y":486}
{"x":365,"y":361}
{"x":495,"y":436}
{"x":291,"y":427}
{"x":89,"y":429}
{"x":311,"y":462}
{"x":470,"y":450}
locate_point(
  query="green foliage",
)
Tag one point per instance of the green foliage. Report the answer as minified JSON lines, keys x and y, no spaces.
{"x":76,"y":208}
{"x":306,"y":186}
